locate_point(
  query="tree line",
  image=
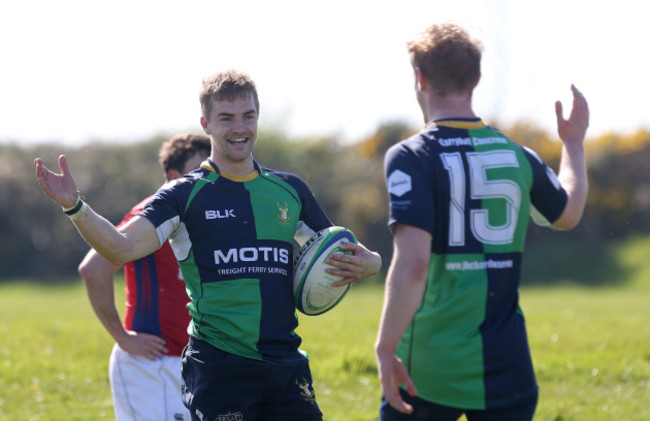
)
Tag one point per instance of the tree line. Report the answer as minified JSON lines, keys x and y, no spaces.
{"x":39,"y":243}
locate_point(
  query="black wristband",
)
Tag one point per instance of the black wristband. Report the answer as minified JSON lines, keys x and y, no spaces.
{"x":76,"y":208}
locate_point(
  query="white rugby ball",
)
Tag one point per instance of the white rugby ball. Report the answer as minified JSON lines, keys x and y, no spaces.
{"x":313,"y":293}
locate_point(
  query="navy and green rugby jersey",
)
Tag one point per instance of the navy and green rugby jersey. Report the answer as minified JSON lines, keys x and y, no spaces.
{"x":233,"y":237}
{"x":473,"y":190}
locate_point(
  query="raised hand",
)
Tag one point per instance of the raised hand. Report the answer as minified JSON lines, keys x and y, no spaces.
{"x":574,"y":128}
{"x":61,"y":188}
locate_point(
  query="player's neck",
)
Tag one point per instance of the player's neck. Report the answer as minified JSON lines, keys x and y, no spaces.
{"x":448,"y":107}
{"x":229,"y":166}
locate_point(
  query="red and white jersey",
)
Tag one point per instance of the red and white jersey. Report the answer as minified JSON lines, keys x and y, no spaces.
{"x":156,"y":298}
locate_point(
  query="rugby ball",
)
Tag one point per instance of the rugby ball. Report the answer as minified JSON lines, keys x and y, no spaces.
{"x":313,"y":293}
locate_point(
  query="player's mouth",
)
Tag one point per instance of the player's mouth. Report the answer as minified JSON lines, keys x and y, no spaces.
{"x":238,"y":140}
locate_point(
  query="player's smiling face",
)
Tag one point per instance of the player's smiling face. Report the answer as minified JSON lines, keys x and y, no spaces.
{"x":232,"y":125}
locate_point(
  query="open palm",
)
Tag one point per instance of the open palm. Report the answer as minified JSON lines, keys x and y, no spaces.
{"x":61,"y":188}
{"x":574,"y":128}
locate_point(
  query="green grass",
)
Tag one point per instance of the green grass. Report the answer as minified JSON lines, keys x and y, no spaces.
{"x":590,"y":345}
{"x":591,"y":350}
{"x":53,"y":355}
{"x":340,"y":346}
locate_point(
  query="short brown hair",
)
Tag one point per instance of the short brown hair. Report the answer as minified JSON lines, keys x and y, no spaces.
{"x":228,"y":85}
{"x":175,"y":152}
{"x":449,"y":58}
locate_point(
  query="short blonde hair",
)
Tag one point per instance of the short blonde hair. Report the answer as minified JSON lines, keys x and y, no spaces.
{"x":449,"y":58}
{"x":228,"y":85}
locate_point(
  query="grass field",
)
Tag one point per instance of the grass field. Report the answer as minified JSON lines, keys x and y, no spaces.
{"x":591,"y":348}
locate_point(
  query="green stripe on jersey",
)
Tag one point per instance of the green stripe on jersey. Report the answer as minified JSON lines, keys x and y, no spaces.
{"x":238,"y":332}
{"x":276,"y":209}
{"x":200,"y":183}
{"x":501,"y":166}
{"x":450,"y":300}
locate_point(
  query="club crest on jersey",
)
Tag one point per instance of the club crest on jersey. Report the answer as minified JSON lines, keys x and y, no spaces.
{"x":306,"y":391}
{"x":284,"y":213}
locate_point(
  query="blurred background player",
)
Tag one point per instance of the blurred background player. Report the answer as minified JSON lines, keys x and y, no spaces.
{"x":461,"y":195}
{"x":145,"y":364}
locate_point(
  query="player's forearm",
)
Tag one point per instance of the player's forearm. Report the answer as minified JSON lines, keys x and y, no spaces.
{"x":103,"y":305}
{"x":573,"y":178}
{"x":404,"y":290}
{"x":103,"y":236}
{"x":97,"y":275}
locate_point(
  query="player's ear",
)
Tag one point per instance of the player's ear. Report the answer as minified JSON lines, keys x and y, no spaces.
{"x":420,"y":81}
{"x":204,"y":124}
{"x":173,"y":175}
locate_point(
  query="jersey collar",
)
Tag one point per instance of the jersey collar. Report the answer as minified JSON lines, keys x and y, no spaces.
{"x":458,"y":123}
{"x":209,"y":165}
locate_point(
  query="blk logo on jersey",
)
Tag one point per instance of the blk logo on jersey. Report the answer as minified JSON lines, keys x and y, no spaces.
{"x":220,"y":214}
{"x":399,"y":183}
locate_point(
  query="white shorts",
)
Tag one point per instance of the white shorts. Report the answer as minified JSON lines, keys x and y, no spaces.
{"x":146,"y":390}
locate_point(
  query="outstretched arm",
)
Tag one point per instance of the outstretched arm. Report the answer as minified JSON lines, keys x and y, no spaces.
{"x":97,"y":274}
{"x":573,"y":167}
{"x":137,"y":239}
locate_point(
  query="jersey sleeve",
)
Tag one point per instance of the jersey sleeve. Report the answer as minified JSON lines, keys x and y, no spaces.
{"x":410,"y":197}
{"x":547,"y":197}
{"x":164,"y":210}
{"x":312,"y":214}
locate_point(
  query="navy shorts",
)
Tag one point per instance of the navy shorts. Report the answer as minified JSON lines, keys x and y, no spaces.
{"x":218,"y":385}
{"x":429,"y":411}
